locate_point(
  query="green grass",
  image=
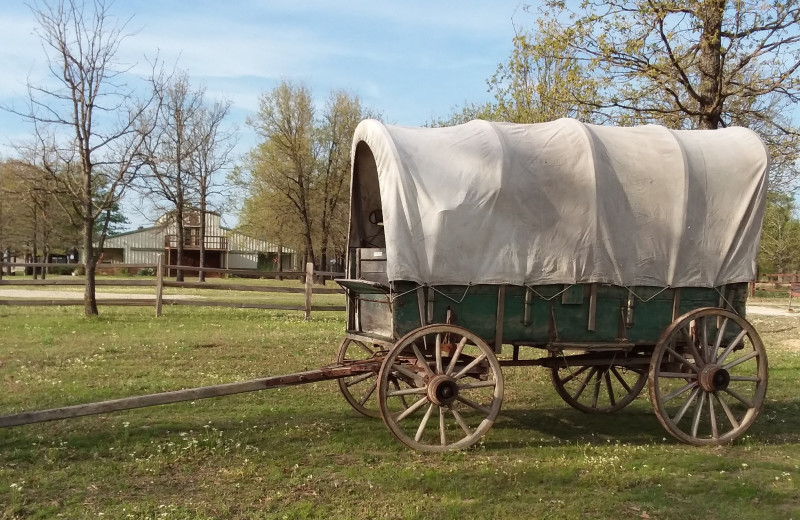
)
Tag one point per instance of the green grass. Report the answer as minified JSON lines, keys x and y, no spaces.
{"x":301,"y":452}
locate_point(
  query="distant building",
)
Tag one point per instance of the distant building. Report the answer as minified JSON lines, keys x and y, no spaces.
{"x":224,"y":248}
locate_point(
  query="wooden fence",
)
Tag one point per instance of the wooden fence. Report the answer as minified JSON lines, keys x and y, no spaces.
{"x":159,"y":283}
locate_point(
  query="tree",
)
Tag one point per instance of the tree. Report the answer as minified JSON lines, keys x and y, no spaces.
{"x":86,"y":121}
{"x":680,"y":63}
{"x":11,"y":214}
{"x":297,"y":178}
{"x":541,"y":81}
{"x":168,"y":150}
{"x":283,"y":164}
{"x":707,"y":62}
{"x":780,"y":238}
{"x":34,"y":219}
{"x":342,"y":114}
{"x":214,"y":153}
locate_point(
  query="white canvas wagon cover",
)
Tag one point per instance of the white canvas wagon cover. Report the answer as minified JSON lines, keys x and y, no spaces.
{"x":563,"y":202}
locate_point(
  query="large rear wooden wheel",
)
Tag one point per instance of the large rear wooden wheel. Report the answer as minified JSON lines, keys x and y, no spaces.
{"x":708,"y":377}
{"x":449,"y":391}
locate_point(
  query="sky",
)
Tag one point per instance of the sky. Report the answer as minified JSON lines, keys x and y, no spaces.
{"x":410,"y":61}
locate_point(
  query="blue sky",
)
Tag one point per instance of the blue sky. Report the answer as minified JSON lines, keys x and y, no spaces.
{"x":410,"y":61}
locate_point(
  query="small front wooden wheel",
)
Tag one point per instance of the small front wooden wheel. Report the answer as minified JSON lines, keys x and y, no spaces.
{"x":449,"y":391}
{"x":708,"y":377}
{"x":360,"y":390}
{"x":598,"y":388}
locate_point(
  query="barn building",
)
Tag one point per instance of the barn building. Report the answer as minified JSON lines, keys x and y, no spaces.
{"x":224,"y":248}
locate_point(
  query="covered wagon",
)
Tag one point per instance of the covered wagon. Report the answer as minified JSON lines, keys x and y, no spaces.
{"x":622,"y":255}
{"x":613,"y":257}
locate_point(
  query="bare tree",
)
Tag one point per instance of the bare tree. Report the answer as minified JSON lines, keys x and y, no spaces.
{"x":214,"y":154}
{"x":167,"y":180}
{"x":87,"y":122}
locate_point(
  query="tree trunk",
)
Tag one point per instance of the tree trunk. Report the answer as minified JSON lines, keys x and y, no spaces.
{"x":34,"y":241}
{"x":710,"y":64}
{"x":179,"y":229}
{"x":201,"y":277}
{"x":46,"y":259}
{"x":90,"y":262}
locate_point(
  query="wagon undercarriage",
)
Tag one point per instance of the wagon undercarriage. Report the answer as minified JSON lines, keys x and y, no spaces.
{"x":706,"y":376}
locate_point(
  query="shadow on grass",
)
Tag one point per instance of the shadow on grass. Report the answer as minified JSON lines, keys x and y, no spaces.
{"x":635,"y":425}
{"x":517,"y":428}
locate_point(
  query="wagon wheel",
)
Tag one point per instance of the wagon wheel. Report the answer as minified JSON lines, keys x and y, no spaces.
{"x":450,"y":388}
{"x":597,"y":388}
{"x":708,"y":377}
{"x":359,"y":390}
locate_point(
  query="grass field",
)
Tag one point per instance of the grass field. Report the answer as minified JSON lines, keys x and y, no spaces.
{"x":301,"y":452}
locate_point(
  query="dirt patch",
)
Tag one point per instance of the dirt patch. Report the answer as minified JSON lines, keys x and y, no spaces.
{"x":771,"y":311}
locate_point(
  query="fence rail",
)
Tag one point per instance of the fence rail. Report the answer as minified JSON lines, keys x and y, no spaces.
{"x":159,"y":283}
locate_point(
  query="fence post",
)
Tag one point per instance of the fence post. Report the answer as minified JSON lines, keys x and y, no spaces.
{"x":309,"y":288}
{"x":159,"y":284}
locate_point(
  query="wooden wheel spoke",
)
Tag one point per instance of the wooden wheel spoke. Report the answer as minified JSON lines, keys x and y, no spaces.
{"x":411,"y":409}
{"x":585,"y":382}
{"x":687,"y":338}
{"x":713,"y":416}
{"x":709,"y":354}
{"x":478,"y":384}
{"x":422,"y":360}
{"x":686,"y":405}
{"x":408,"y":373}
{"x":698,"y":411}
{"x":472,"y":404}
{"x":456,"y":355}
{"x":609,"y":388}
{"x":727,"y":411}
{"x":621,"y":380}
{"x":461,"y":422}
{"x":396,"y":386}
{"x":575,"y":374}
{"x":424,"y":422}
{"x":682,"y":359}
{"x":442,"y":434}
{"x":369,"y":393}
{"x":752,"y":379}
{"x":365,"y":348}
{"x":738,"y":397}
{"x":359,"y":379}
{"x":469,"y":367}
{"x":732,"y":345}
{"x":406,"y":391}
{"x":741,"y":360}
{"x":438,"y":353}
{"x":679,"y":391}
{"x":677,"y":375}
{"x":720,"y":336}
{"x":596,"y":390}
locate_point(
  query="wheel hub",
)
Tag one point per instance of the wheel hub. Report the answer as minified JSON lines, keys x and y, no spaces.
{"x":713,"y":378}
{"x":442,"y":390}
